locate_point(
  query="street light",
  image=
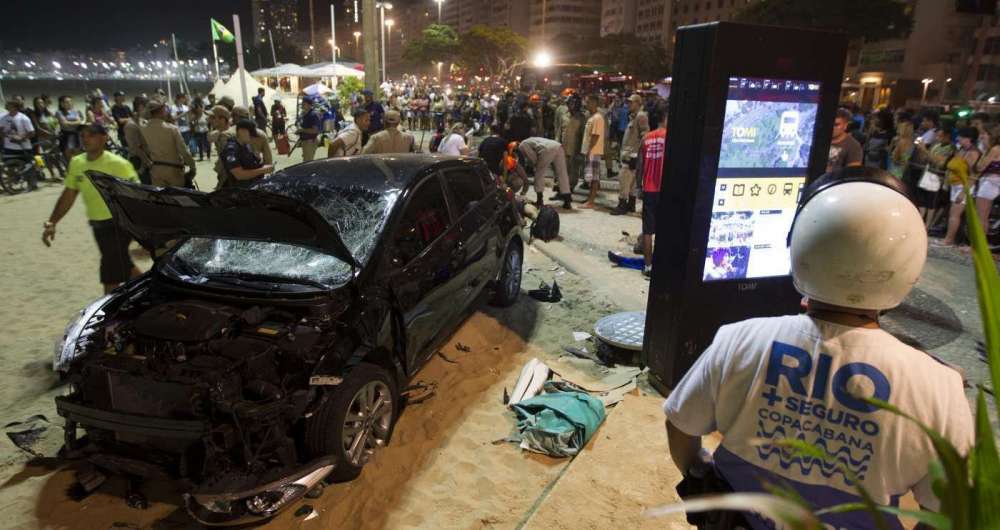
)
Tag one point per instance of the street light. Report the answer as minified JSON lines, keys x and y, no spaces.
{"x":382,"y":6}
{"x":542,"y":59}
{"x":439,"y":2}
{"x":357,"y":43}
{"x":439,"y":65}
{"x":926,"y":81}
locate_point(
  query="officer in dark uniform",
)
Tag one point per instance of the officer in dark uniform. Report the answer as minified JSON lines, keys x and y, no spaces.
{"x":242,"y":165}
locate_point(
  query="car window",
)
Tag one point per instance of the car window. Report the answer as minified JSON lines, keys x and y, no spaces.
{"x":423,"y":221}
{"x":466,"y":187}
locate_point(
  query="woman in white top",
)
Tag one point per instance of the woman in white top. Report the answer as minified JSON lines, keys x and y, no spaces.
{"x":454,"y":144}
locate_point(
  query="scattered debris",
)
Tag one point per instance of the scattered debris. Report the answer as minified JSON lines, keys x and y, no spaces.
{"x":626,"y":261}
{"x":26,"y":434}
{"x":305,"y":509}
{"x":462,"y":347}
{"x":419,"y":392}
{"x":530,"y":382}
{"x":446,"y":359}
{"x":545,"y":293}
{"x":558,"y":423}
{"x":582,"y":353}
{"x":316,"y":492}
{"x":581,"y":336}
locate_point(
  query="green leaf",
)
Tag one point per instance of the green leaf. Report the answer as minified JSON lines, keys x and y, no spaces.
{"x":985,"y":471}
{"x":784,"y":511}
{"x":955,"y":494}
{"x":804,"y":449}
{"x":937,"y":520}
{"x":987,"y":285}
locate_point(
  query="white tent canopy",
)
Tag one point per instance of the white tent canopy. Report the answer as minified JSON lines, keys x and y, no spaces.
{"x":232,"y":88}
{"x":281,"y":70}
{"x":329,"y":69}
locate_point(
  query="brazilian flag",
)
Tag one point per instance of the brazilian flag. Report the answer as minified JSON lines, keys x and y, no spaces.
{"x":219,"y":32}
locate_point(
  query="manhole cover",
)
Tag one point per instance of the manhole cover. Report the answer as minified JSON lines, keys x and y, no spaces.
{"x":623,"y":330}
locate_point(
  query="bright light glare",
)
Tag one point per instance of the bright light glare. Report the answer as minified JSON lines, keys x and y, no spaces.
{"x":56,"y":64}
{"x":542,"y":59}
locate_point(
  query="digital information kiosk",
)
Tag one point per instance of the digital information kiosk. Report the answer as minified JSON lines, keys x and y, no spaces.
{"x":751,"y":115}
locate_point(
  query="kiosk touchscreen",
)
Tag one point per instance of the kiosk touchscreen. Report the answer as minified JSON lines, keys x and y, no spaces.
{"x":750,"y":119}
{"x":767,"y":137}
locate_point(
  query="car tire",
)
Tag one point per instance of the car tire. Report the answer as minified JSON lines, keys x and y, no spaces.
{"x":508,"y":283}
{"x":335,"y":429}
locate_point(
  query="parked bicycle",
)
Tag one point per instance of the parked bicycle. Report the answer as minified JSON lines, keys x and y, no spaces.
{"x":19,"y":174}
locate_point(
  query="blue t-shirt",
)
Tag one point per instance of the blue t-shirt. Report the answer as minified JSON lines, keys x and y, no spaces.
{"x":375,"y":112}
{"x":311,"y":120}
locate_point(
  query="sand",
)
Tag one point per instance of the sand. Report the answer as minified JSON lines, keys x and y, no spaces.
{"x":441,"y":470}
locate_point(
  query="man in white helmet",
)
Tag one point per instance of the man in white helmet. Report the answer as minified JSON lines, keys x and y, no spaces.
{"x":857,"y":248}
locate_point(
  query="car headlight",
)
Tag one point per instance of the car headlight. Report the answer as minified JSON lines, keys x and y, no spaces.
{"x":78,"y":328}
{"x":269,"y":502}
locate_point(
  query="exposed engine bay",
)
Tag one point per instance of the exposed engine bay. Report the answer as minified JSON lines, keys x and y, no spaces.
{"x":204,"y":391}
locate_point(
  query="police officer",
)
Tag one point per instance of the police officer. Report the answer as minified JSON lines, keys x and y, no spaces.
{"x":219,"y":134}
{"x":132,"y":132}
{"x":258,"y":142}
{"x":243,"y":166}
{"x":390,"y":139}
{"x":857,"y":247}
{"x":638,"y":126}
{"x":166,"y":149}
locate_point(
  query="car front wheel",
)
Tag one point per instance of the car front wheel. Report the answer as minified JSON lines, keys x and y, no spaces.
{"x":508,"y":284}
{"x":355,"y":422}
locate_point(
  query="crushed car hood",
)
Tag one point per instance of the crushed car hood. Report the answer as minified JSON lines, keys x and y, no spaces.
{"x":154,"y":216}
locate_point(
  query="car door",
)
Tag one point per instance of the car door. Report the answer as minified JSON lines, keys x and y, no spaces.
{"x":423,"y":268}
{"x":475,"y":211}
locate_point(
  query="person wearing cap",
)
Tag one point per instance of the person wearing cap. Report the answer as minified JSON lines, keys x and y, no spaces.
{"x":258,"y":142}
{"x":309,"y":127}
{"x":17,"y":132}
{"x":166,"y":149}
{"x":857,"y":247}
{"x":121,"y":113}
{"x":376,"y":113}
{"x":243,"y":166}
{"x":132,"y":131}
{"x":219,"y":135}
{"x":390,"y":139}
{"x":116,"y":265}
{"x":638,"y":126}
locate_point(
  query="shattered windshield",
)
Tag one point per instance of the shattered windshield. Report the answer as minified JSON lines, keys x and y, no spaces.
{"x":358,"y":213}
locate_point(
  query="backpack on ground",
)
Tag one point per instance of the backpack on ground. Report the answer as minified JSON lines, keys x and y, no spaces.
{"x":546,"y":224}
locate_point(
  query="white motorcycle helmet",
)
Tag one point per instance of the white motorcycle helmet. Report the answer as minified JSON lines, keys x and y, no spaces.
{"x":857,"y":241}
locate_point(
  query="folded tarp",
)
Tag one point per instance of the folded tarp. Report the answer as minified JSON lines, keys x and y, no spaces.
{"x":558,"y":423}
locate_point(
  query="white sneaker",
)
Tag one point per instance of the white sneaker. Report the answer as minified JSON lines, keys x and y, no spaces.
{"x":647,"y":270}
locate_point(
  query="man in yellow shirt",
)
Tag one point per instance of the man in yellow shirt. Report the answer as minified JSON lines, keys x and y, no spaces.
{"x":113,"y":241}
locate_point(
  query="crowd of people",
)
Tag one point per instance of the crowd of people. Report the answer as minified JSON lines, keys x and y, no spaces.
{"x":579,"y":138}
{"x":936,"y":158}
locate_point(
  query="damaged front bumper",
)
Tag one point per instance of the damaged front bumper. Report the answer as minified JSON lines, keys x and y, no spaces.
{"x":217,"y":508}
{"x":229,"y":500}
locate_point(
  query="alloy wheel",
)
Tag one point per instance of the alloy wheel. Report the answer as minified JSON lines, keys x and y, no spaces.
{"x":367,"y":422}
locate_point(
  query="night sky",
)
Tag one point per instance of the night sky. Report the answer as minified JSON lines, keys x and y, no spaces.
{"x":122,"y":24}
{"x":112,"y":24}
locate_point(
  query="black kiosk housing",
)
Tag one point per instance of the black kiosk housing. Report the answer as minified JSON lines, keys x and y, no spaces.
{"x":750,"y":121}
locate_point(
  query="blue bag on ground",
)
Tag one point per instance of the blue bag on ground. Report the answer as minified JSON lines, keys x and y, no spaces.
{"x":558,"y":423}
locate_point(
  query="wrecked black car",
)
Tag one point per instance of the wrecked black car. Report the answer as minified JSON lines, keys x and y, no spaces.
{"x":267,"y":349}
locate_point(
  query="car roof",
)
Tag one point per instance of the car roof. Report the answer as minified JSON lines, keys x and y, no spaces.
{"x":375,"y":172}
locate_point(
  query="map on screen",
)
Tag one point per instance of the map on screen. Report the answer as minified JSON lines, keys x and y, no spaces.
{"x":763,"y":158}
{"x":767,"y":134}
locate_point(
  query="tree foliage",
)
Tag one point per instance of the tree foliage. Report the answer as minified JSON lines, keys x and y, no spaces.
{"x":437,"y":43}
{"x":492,"y":51}
{"x":631,"y":55}
{"x":871,"y":20}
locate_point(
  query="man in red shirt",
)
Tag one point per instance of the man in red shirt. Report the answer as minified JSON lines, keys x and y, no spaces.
{"x":652,"y":154}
